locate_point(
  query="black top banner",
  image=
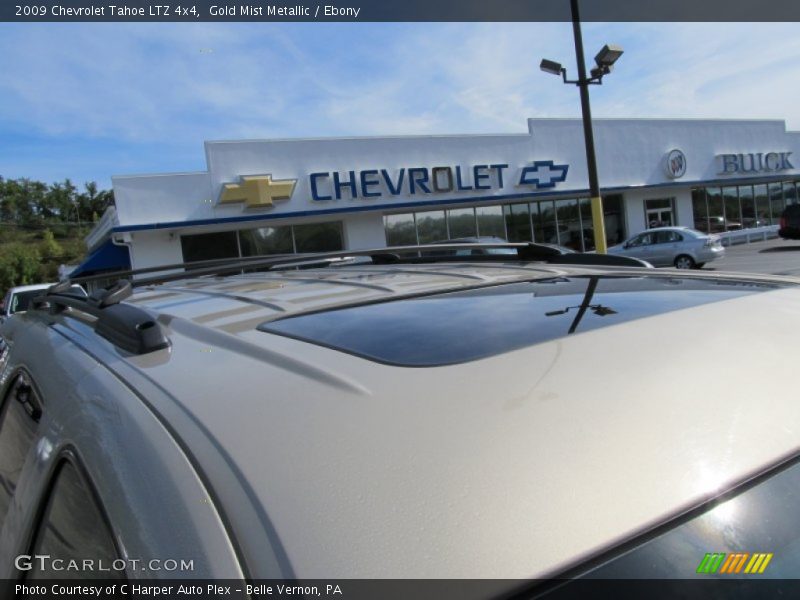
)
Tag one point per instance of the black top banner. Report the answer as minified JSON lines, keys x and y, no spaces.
{"x":403,"y":10}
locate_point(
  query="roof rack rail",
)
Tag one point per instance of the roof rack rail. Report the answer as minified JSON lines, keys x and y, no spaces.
{"x":128,"y":327}
{"x":526,"y":251}
{"x":133,"y":329}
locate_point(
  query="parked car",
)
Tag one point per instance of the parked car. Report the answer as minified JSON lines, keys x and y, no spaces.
{"x":514,"y":420}
{"x":18,"y":298}
{"x":716,"y":224}
{"x":680,"y":247}
{"x":790,"y":223}
{"x":753,"y":222}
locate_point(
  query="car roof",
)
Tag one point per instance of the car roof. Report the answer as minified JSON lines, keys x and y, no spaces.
{"x":30,"y":288}
{"x":485,"y":239}
{"x":668,"y":228}
{"x":516,"y":465}
{"x":681,"y":228}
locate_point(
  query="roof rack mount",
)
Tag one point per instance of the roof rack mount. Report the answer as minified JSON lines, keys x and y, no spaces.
{"x":128,"y":327}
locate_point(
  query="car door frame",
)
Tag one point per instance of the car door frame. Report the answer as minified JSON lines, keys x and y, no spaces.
{"x":90,"y":414}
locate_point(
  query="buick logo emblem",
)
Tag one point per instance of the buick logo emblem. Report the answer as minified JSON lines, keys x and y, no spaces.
{"x":675,"y":164}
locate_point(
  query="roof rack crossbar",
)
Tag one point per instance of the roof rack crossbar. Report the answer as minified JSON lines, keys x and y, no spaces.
{"x":526,"y":251}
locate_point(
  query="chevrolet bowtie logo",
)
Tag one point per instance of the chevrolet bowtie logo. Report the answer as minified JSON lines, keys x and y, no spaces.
{"x":257,"y":191}
{"x":543,"y":174}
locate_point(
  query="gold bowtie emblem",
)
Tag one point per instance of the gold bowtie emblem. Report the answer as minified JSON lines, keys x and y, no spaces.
{"x":257,"y":191}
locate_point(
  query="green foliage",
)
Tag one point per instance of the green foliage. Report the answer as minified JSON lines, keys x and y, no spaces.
{"x":19,"y":265}
{"x":34,"y":204}
{"x":42,"y":226}
{"x":49,"y":248}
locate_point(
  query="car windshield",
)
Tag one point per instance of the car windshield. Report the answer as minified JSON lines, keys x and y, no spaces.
{"x":763,"y":512}
{"x":448,"y":328}
{"x":21,"y":300}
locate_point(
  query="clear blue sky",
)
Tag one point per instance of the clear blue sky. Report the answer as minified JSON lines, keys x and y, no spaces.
{"x":88,"y":101}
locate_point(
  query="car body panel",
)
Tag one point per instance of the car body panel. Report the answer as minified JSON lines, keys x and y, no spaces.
{"x":510,"y":466}
{"x":157,"y":504}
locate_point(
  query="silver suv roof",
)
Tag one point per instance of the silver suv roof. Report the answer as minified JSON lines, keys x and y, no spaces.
{"x":516,"y":465}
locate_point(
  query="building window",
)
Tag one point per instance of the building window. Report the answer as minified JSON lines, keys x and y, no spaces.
{"x":747,"y":202}
{"x":318,"y":237}
{"x":544,"y":222}
{"x":741,"y":207}
{"x":761,"y":200}
{"x":699,"y":209}
{"x":790,"y":192}
{"x":518,"y":222}
{"x":567,"y":222}
{"x":431,"y":227}
{"x":461,"y":223}
{"x":400,"y":230}
{"x":587,"y":225}
{"x":209,"y":246}
{"x":490,"y":221}
{"x":614,"y":219}
{"x":570,"y":232}
{"x":266,"y":240}
{"x":715,"y":210}
{"x":776,"y":200}
{"x":733,"y":214}
{"x":260,"y":241}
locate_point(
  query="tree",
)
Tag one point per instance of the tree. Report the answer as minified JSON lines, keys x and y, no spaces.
{"x":19,"y":265}
{"x":49,"y":248}
{"x":92,"y":201}
{"x":59,"y":202}
{"x":32,"y":215}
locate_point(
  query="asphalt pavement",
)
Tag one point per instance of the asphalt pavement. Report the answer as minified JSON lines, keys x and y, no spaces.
{"x":776,"y":257}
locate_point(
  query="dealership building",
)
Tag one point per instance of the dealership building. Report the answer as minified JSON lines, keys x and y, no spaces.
{"x":262,"y":197}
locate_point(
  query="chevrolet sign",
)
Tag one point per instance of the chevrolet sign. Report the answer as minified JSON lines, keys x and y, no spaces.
{"x":375,"y":183}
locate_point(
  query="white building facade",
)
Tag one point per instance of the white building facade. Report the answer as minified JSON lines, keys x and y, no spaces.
{"x":306,"y":195}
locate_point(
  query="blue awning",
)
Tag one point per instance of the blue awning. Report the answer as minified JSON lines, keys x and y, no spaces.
{"x":108,"y":257}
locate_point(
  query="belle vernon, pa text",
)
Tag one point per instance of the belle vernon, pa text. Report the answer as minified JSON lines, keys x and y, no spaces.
{"x":136,"y":589}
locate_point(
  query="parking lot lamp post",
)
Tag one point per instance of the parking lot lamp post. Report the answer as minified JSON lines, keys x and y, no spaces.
{"x":604,"y":61}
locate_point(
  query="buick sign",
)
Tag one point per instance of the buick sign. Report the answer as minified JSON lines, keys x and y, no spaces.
{"x":755,"y":162}
{"x":675,"y":164}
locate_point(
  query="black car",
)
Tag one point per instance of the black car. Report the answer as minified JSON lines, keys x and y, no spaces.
{"x":790,"y":223}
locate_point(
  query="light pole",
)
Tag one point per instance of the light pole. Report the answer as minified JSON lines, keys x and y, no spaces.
{"x":604,"y":60}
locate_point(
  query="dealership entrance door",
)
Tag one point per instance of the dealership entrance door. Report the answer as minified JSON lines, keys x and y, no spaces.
{"x":659,"y":212}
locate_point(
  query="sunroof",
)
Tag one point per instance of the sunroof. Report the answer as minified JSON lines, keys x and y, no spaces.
{"x":456,"y":327}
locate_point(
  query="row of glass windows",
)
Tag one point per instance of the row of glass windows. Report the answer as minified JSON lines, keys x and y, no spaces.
{"x":285,"y":239}
{"x":734,"y":207}
{"x":565,"y":222}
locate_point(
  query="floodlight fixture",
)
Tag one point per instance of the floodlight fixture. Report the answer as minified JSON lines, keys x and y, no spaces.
{"x":550,"y":66}
{"x":608,"y":55}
